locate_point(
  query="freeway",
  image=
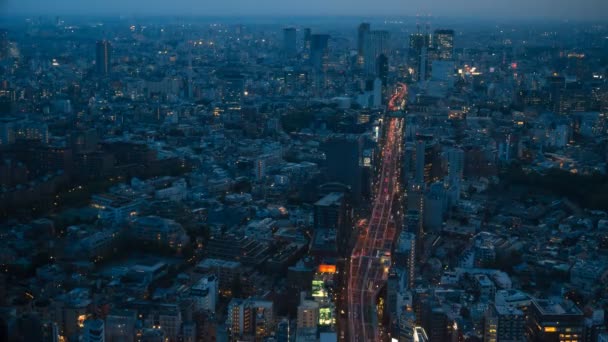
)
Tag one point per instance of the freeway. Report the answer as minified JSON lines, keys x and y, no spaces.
{"x":370,"y":258}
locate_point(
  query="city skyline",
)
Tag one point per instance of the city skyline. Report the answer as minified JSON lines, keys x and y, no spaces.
{"x":585,"y":10}
{"x":332,"y":178}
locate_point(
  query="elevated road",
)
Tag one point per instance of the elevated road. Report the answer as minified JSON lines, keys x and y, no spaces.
{"x":371,"y":257}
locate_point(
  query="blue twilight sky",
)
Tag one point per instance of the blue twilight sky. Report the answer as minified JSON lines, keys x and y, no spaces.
{"x":524,"y":9}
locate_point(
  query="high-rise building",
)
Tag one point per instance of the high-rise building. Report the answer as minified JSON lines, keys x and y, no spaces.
{"x":250,"y":318}
{"x":556,"y":85}
{"x":435,"y":204}
{"x":93,"y":331}
{"x":420,"y":162}
{"x":286,"y":331}
{"x":559,"y":321}
{"x":405,"y":254}
{"x":376,"y":44}
{"x":319,"y":51}
{"x":361,"y":36}
{"x":289,"y":42}
{"x":306,"y":44}
{"x":382,"y":69}
{"x":504,"y":323}
{"x":331,"y":212}
{"x":205,"y":293}
{"x":308,"y":312}
{"x":120,"y":326}
{"x":413,"y":220}
{"x":342,"y":155}
{"x":103,"y":57}
{"x":4,"y":43}
{"x":233,"y":88}
{"x":417,"y":55}
{"x":444,"y":44}
{"x":455,"y":157}
{"x":407,"y":327}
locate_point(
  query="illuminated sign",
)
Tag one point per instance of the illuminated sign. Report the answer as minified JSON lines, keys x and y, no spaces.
{"x":550,"y":329}
{"x":318,"y":289}
{"x":325,"y":317}
{"x":327,"y":268}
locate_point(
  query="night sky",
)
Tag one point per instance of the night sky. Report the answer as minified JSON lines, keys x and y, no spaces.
{"x":551,"y":9}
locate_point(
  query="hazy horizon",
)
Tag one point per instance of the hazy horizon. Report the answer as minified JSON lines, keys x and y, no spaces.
{"x":583,"y":10}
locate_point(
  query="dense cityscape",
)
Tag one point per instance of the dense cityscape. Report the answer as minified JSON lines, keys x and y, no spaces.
{"x":187,"y":179}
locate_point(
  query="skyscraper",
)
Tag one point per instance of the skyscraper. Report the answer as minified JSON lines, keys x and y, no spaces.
{"x":417,"y":55}
{"x":420,"y":162}
{"x":4,"y":43}
{"x":233,"y":87}
{"x":319,"y":51}
{"x":444,"y":43}
{"x":103,"y":57}
{"x":504,"y":323}
{"x":342,"y":155}
{"x":306,"y":45}
{"x":308,"y":312}
{"x":361,"y":35}
{"x":549,"y":320}
{"x":376,"y":44}
{"x":382,"y":69}
{"x":455,"y":157}
{"x":289,"y":42}
{"x":405,"y":252}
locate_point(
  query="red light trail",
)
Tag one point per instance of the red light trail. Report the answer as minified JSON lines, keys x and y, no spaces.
{"x":370,"y":258}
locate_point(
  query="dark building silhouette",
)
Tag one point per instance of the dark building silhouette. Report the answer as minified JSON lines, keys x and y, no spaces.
{"x":289,"y":42}
{"x":103,"y":57}
{"x":363,"y":30}
{"x":444,"y":44}
{"x":319,"y":53}
{"x":343,"y":154}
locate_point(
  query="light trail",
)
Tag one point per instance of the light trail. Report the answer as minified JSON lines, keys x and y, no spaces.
{"x":370,"y":258}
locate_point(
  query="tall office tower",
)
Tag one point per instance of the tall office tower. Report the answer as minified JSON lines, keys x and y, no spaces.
{"x":289,"y":42}
{"x":444,"y":44}
{"x":420,"y":162}
{"x":405,"y":251}
{"x":556,"y":85}
{"x":376,"y":43}
{"x":103,"y":57}
{"x":361,"y":36}
{"x":306,"y":44}
{"x":93,"y":331}
{"x":437,"y":325}
{"x":342,"y":157}
{"x":319,"y":52}
{"x":549,"y":320}
{"x":233,"y":87}
{"x":435,"y":203}
{"x":413,"y":221}
{"x":504,"y":323}
{"x":417,"y":54}
{"x":393,"y":287}
{"x":455,"y":157}
{"x":330,"y":212}
{"x":455,"y":160}
{"x":3,"y":44}
{"x":382,"y":69}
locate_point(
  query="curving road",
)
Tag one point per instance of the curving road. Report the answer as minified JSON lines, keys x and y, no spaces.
{"x":370,"y":259}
